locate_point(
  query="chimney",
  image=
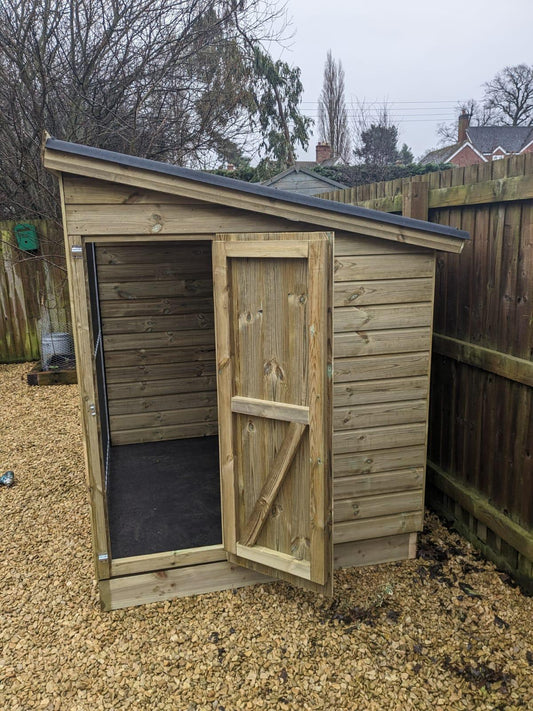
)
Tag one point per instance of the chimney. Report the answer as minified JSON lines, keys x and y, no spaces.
{"x":464,"y":123}
{"x":323,"y":152}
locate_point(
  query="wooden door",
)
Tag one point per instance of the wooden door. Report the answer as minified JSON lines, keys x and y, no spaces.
{"x":274,"y":377}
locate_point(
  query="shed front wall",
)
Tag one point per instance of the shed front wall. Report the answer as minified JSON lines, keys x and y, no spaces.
{"x":383,"y":303}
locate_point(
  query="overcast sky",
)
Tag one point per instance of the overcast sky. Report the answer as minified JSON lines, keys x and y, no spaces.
{"x":421,"y":56}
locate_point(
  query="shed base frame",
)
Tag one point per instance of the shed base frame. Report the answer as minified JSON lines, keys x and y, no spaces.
{"x":157,"y":586}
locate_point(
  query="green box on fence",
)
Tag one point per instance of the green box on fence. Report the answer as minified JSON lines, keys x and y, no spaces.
{"x":26,"y":236}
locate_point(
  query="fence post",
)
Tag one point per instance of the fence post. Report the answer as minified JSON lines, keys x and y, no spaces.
{"x":415,"y":199}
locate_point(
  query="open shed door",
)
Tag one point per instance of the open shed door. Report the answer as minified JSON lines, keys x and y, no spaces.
{"x":273,"y":338}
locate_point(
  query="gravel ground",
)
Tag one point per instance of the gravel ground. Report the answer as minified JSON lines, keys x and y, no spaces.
{"x":445,"y":631}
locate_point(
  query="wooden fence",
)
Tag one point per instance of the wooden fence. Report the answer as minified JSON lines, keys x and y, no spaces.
{"x":480,"y":455}
{"x":33,"y":291}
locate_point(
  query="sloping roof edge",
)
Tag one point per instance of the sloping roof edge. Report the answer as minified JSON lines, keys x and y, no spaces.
{"x":262,"y":191}
{"x":306,"y":171}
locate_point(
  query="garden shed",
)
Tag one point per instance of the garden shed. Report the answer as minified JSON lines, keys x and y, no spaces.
{"x":253,"y":368}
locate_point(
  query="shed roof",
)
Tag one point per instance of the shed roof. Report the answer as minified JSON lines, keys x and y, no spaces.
{"x":297,"y":169}
{"x":101,"y":164}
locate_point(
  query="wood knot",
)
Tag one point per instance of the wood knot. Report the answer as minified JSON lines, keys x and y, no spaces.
{"x":274,"y":369}
{"x":300,"y":547}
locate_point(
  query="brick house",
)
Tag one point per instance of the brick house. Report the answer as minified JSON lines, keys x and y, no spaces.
{"x":480,"y":144}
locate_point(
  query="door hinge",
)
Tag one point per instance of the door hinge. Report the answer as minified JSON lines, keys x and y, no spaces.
{"x":77,"y":251}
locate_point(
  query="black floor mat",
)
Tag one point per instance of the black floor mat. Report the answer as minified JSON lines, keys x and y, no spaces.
{"x":164,"y":496}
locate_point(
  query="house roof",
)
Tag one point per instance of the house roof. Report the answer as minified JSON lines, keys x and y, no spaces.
{"x":484,"y":140}
{"x":297,"y":169}
{"x":78,"y":159}
{"x":511,"y":138}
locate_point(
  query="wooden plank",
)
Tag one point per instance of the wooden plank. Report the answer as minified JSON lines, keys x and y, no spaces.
{"x":171,"y":339}
{"x":401,"y":266}
{"x":163,"y":432}
{"x":90,"y":167}
{"x":373,"y":551}
{"x":269,"y":408}
{"x":139,"y":325}
{"x":275,"y":559}
{"x":380,"y":483}
{"x":363,"y":440}
{"x":36,"y":376}
{"x":162,"y":418}
{"x":369,"y":462}
{"x":285,"y":248}
{"x":221,"y":286}
{"x":177,"y":268}
{"x":396,"y":365}
{"x":376,"y":414}
{"x":128,"y":374}
{"x":167,"y":560}
{"x":160,"y":356}
{"x":142,"y":589}
{"x":165,"y":219}
{"x":272,"y":485}
{"x":160,"y":403}
{"x":386,"y":316}
{"x":502,"y":364}
{"x":347,"y":244}
{"x":147,"y":388}
{"x":479,"y":506}
{"x":83,"y":342}
{"x":378,"y":527}
{"x":379,"y":505}
{"x":385,"y":291}
{"x":156,"y":307}
{"x":128,"y":291}
{"x":320,"y":423}
{"x":154,"y":253}
{"x":87,"y":191}
{"x":387,"y":390}
{"x":365,"y":343}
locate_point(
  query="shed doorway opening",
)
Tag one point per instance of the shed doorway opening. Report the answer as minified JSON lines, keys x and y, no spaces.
{"x":153,"y":330}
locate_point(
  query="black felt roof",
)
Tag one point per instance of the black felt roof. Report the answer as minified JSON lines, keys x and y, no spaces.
{"x":264,"y":191}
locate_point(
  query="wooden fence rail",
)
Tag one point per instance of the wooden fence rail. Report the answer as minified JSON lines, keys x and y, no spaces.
{"x":33,"y":291}
{"x":480,"y":455}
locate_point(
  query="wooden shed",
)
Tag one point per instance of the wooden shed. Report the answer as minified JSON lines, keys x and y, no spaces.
{"x":285,"y":337}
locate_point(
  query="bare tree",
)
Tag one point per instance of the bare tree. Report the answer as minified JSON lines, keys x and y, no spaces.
{"x":478,"y":115}
{"x":509,"y":96}
{"x":165,"y":79}
{"x":332,"y":114}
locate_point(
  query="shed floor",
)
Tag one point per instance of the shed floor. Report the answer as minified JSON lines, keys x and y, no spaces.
{"x":164,"y":496}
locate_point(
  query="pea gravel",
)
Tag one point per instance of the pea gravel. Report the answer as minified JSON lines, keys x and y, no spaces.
{"x":445,"y":631}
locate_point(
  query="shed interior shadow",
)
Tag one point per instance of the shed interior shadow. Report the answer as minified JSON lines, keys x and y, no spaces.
{"x":152,"y":309}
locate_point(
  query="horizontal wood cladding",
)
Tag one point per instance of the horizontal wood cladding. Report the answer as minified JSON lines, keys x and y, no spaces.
{"x":381,"y":291}
{"x":378,"y":527}
{"x":365,"y":507}
{"x":169,"y":219}
{"x":389,"y":413}
{"x":391,"y":316}
{"x":383,"y":314}
{"x":379,"y":460}
{"x":386,"y":390}
{"x":381,"y":482}
{"x":157,"y":316}
{"x":405,"y":266}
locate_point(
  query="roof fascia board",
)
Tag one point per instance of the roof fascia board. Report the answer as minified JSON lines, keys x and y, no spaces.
{"x":232,"y":197}
{"x":522,"y":150}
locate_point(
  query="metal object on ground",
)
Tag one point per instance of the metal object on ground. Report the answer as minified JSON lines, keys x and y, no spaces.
{"x":8,"y":479}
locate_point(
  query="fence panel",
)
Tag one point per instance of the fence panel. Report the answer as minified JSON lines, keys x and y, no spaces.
{"x":480,"y":454}
{"x":33,"y":291}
